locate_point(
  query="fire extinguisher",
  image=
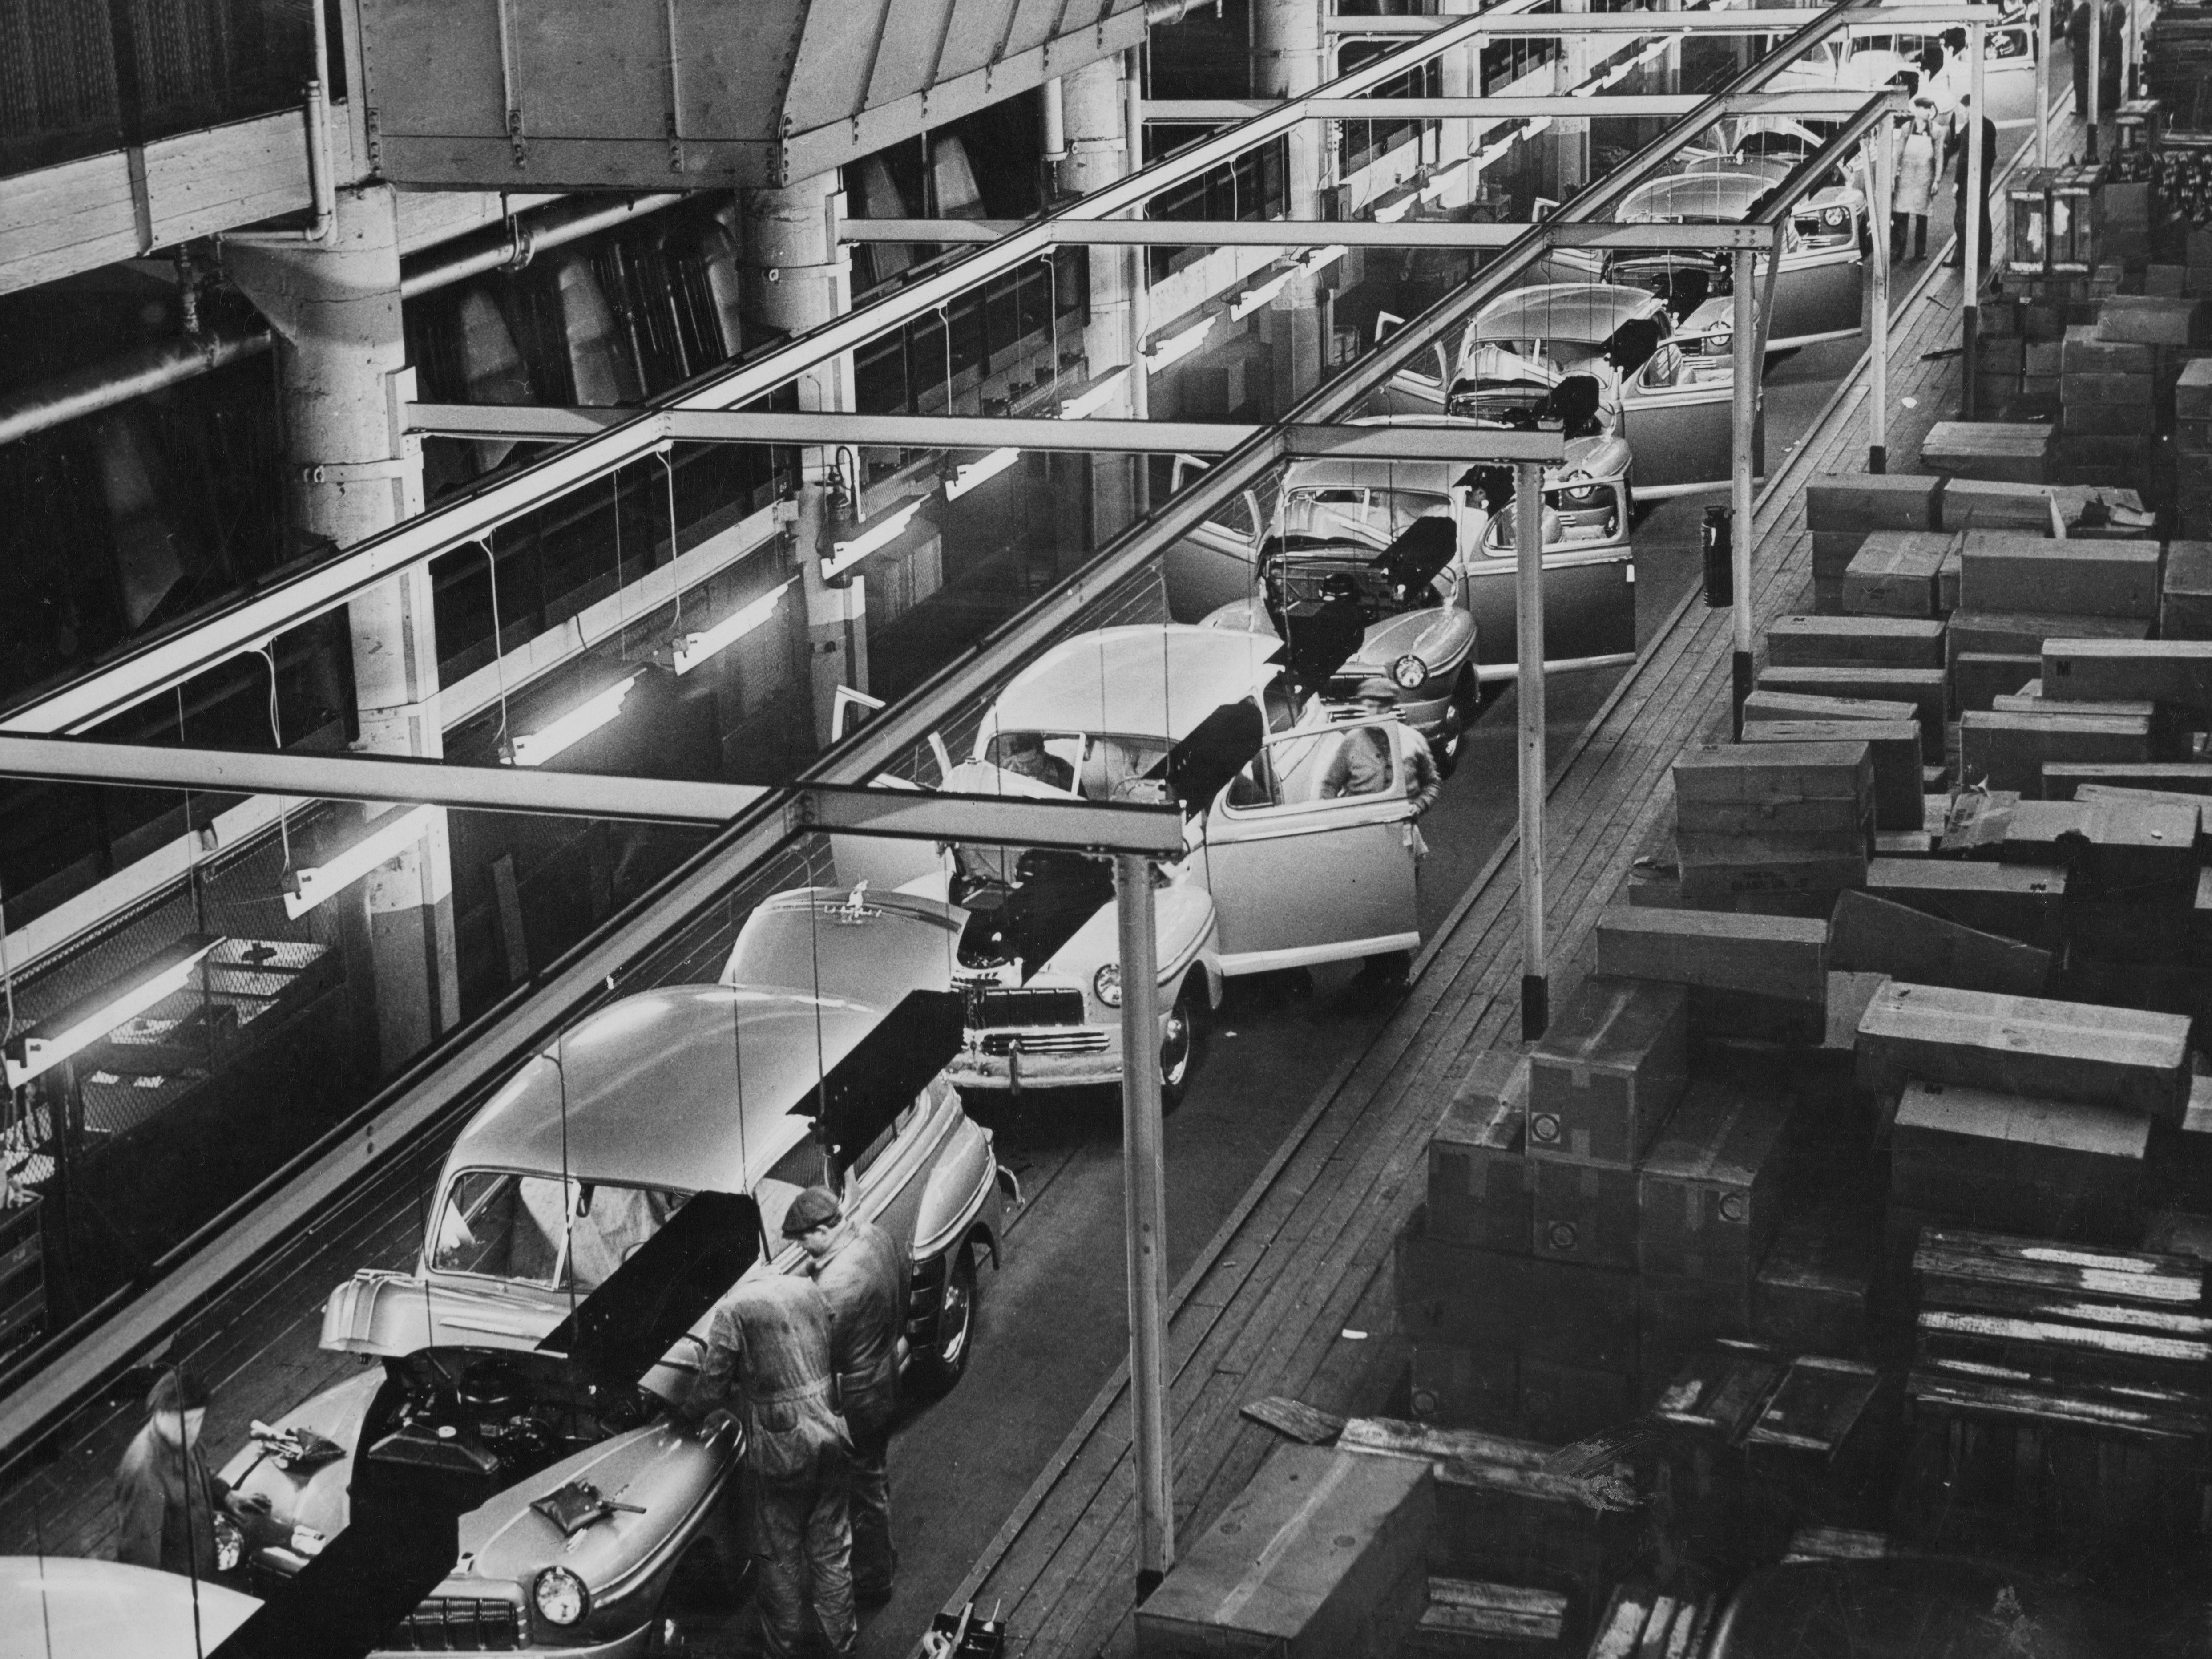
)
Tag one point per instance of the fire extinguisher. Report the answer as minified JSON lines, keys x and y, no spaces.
{"x":1716,"y":535}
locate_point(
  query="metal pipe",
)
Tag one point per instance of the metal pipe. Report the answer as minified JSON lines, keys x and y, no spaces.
{"x":1782,"y":21}
{"x":1140,"y":274}
{"x":1744,"y":414}
{"x":1304,"y":233}
{"x":1880,"y":153}
{"x":2043,"y":83}
{"x":1055,"y":121}
{"x":1144,"y":1192}
{"x":1529,"y":638}
{"x":1970,"y":229}
{"x":103,"y":385}
{"x":1169,"y":111}
{"x":322,"y":184}
{"x":2095,"y":113}
{"x":520,"y":238}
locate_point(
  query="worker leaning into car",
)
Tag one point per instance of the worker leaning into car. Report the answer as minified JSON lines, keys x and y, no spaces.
{"x":1362,"y":765}
{"x":865,"y":1276}
{"x":772,"y":1335}
{"x":165,"y":1498}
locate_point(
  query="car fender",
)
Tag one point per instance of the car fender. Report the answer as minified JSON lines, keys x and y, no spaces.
{"x":1443,"y":638}
{"x":961,"y":1195}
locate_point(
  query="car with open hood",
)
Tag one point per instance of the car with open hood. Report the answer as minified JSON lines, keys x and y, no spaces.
{"x":1667,"y":381}
{"x":1876,"y":53}
{"x":584,"y":1223}
{"x":1819,"y":292}
{"x":1218,"y":720}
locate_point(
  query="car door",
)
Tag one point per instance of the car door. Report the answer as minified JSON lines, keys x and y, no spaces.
{"x":1819,"y":295}
{"x":1300,"y":877}
{"x":1677,"y":425}
{"x":1589,"y":608}
{"x":1213,"y":564}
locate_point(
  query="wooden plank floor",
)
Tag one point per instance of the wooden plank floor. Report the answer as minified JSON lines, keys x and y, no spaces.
{"x":1265,"y":1309}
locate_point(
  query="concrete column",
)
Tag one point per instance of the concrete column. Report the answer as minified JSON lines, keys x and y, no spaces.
{"x":1287,"y":60}
{"x":1460,"y":73}
{"x":795,"y":280}
{"x":351,"y":473}
{"x":1095,"y":102}
{"x":1571,"y":139}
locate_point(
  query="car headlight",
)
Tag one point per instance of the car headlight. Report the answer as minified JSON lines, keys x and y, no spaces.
{"x":561,"y":1596}
{"x":230,"y":1544}
{"x":1720,"y":342}
{"x":1409,"y":671}
{"x":1106,"y":984}
{"x":1835,"y":215}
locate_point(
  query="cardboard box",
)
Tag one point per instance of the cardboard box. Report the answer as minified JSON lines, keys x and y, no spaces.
{"x":1586,"y":1214}
{"x":1862,"y":501}
{"x":1894,"y":574}
{"x":2086,"y":351}
{"x":2003,"y":570}
{"x":1922,"y":688}
{"x":2009,"y":751}
{"x":2098,"y":1056}
{"x":2185,"y":605}
{"x":2049,"y":1168}
{"x":1553,"y":1309}
{"x":1894,"y":745}
{"x":1861,"y":641}
{"x":1710,"y":1191}
{"x":1833,"y":551}
{"x":1761,"y":707}
{"x":2021,"y":633}
{"x":2080,"y":418}
{"x":2019,"y":901}
{"x":2062,"y":780}
{"x":2148,"y":320}
{"x":2192,"y":390}
{"x":1477,"y":1388}
{"x":1979,"y":679}
{"x":1323,"y":1555}
{"x":1481,"y":1190}
{"x":2012,"y":452}
{"x":1563,"y":1403}
{"x":1870,"y":935}
{"x":2109,"y":670}
{"x":1776,"y":957}
{"x":1603,"y":1078}
{"x":1810,"y":1296}
{"x":1996,"y":504}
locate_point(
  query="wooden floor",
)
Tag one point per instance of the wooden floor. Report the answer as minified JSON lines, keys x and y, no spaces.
{"x":1267,"y":1309}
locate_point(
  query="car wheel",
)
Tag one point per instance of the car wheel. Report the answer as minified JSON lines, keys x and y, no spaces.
{"x":1179,"y":1050}
{"x":1466,"y":703}
{"x":947,"y":1360}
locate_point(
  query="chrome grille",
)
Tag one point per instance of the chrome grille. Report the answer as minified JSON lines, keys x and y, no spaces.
{"x":1028,"y":1005}
{"x":1002,"y":1043}
{"x":461,"y":1625}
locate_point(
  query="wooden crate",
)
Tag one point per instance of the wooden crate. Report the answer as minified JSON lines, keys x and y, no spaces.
{"x":1603,"y":1078}
{"x":1869,"y":935}
{"x":1323,"y":1555}
{"x":1710,"y":1191}
{"x":1480,"y":1186}
{"x":1475,"y":1619}
{"x":2026,"y":1045}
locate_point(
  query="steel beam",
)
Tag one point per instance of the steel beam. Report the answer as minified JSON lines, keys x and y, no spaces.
{"x":1144,"y":1197}
{"x":1750,"y":21}
{"x":1137,"y":832}
{"x":1572,"y":105}
{"x":526,"y":422}
{"x":1308,"y":233}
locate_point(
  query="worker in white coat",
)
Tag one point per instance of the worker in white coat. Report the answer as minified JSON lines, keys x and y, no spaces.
{"x":1917,"y":163}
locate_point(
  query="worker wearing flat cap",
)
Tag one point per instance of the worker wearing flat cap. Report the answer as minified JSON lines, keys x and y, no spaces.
{"x":771,"y":1334}
{"x":864,"y":1275}
{"x":1362,"y":765}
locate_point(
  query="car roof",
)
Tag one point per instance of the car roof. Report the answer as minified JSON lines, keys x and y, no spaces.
{"x":1145,"y":680}
{"x":1565,"y":311}
{"x":678,"y":1087}
{"x":1724,"y":197}
{"x":69,"y":1608}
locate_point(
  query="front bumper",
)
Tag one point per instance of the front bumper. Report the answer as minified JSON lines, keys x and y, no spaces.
{"x":1045,"y":1058}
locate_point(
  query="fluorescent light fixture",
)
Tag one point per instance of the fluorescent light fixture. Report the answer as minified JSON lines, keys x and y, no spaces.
{"x":694,"y":649}
{"x":977,"y":472}
{"x":1253,"y":298}
{"x":1176,"y":347}
{"x":85,"y":1022}
{"x":1319,"y":259}
{"x":393,"y":836}
{"x":1090,"y":403}
{"x":574,"y":727}
{"x":1396,"y":210}
{"x":880,"y":535}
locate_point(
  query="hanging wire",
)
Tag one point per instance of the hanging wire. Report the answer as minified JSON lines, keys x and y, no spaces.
{"x":191,"y":1546}
{"x":498,"y":652}
{"x":944,"y":326}
{"x":668,"y":467}
{"x":191,"y":838}
{"x":568,"y":1195}
{"x":622,"y":627}
{"x":276,"y":735}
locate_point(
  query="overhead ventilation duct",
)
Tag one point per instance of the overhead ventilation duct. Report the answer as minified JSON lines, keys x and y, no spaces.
{"x":877,"y":196}
{"x":491,"y":368}
{"x":654,"y":95}
{"x":134,"y":484}
{"x":599,"y":362}
{"x":958,"y":196}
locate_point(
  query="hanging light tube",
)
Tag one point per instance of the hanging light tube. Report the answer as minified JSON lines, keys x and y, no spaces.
{"x":879,"y":535}
{"x":32,"y":1052}
{"x":978,"y":473}
{"x":1085,"y":404}
{"x":1253,"y":298}
{"x":1321,"y":259}
{"x":572,"y":728}
{"x":305,"y":889}
{"x":1176,"y":347}
{"x":692,"y":649}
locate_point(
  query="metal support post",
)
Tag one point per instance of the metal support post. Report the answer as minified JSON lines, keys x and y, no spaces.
{"x":2043,"y":83}
{"x":2094,"y":113}
{"x":1140,"y":277}
{"x":1528,"y":626}
{"x":1743,"y":419}
{"x":1144,"y":1183}
{"x":1970,"y":227}
{"x":1881,"y":166}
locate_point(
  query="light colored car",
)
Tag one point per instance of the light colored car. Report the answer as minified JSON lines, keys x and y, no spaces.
{"x":1875,"y":54}
{"x":1116,"y":712}
{"x":1818,"y":294}
{"x":59,"y":1606}
{"x":1670,"y":398}
{"x":681,"y":1096}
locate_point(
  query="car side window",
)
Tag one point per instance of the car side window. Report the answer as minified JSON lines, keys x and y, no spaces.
{"x":887,"y":1137}
{"x":1306,"y":768}
{"x":1665,"y":368}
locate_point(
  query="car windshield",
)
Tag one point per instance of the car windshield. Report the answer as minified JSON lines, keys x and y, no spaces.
{"x":1513,"y":405}
{"x":1368,"y":515}
{"x":1098,"y":766}
{"x":1296,"y":578}
{"x":504,"y":1225}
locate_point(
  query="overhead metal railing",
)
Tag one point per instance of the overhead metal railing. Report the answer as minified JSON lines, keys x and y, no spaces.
{"x":1784,"y":21}
{"x":1308,"y":233}
{"x":1816,"y":102}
